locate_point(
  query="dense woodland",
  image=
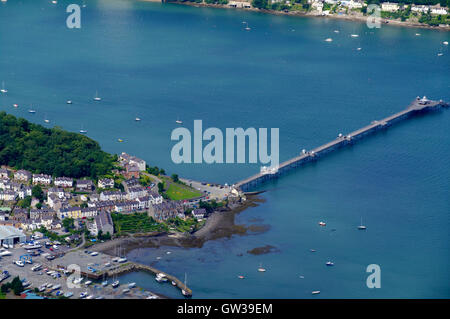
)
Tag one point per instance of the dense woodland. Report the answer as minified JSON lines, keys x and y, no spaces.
{"x":24,"y":145}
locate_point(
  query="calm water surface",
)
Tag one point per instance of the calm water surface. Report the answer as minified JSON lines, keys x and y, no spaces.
{"x":162,"y":62}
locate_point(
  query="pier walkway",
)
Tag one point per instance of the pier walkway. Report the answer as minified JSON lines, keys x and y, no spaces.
{"x":419,"y":105}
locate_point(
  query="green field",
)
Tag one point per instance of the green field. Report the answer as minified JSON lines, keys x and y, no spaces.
{"x":180,"y":192}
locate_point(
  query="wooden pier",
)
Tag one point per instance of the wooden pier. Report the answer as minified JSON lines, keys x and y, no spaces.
{"x":417,"y":106}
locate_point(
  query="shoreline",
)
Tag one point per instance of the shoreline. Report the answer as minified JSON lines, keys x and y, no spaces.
{"x":220,"y":224}
{"x":301,"y":14}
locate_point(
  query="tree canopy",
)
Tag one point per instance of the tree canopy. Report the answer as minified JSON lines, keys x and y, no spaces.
{"x":24,"y":145}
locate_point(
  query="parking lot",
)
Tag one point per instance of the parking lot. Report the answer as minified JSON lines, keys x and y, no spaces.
{"x":213,"y":191}
{"x":52,"y":279}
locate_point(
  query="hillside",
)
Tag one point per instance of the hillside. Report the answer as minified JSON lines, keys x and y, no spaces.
{"x":24,"y":145}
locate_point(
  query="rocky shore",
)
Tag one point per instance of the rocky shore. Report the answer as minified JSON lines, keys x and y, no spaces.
{"x":219,"y":225}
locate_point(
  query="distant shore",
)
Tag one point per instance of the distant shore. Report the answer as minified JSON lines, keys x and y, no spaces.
{"x":220,"y":224}
{"x":302,"y":14}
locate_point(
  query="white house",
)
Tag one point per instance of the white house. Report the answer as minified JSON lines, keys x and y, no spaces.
{"x":438,"y":10}
{"x":112,"y":195}
{"x":422,"y":9}
{"x":63,"y":182}
{"x":106,"y":183}
{"x":22,"y":175}
{"x":389,"y":7}
{"x":24,"y":192}
{"x":42,"y":179}
{"x":199,"y":213}
{"x":8,"y":195}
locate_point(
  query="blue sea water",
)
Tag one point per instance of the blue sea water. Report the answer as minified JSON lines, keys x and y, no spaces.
{"x":165,"y":61}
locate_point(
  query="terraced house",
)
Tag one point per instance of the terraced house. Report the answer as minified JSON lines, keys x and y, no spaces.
{"x":23,"y":176}
{"x":42,"y":179}
{"x":63,"y":182}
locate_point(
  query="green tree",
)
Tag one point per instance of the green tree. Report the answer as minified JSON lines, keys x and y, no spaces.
{"x":260,"y":4}
{"x":160,"y":187}
{"x":175,"y":178}
{"x":24,"y":203}
{"x":68,"y":223}
{"x":37,"y":192}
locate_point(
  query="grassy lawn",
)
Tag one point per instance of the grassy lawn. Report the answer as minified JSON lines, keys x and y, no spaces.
{"x":180,"y":192}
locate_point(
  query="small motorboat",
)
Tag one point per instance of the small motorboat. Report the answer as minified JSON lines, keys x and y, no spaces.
{"x":69,"y":102}
{"x":328,"y":40}
{"x":16,"y":105}
{"x":115,"y":284}
{"x":137,"y":119}
{"x":241,"y":277}
{"x":83,"y":295}
{"x":354,"y":35}
{"x":32,"y":111}
{"x":87,"y":283}
{"x":125,"y":291}
{"x":174,"y":283}
{"x":105,"y":283}
{"x":261,"y":269}
{"x":322,"y":224}
{"x":131,"y":285}
{"x":315,"y":292}
{"x":160,"y":277}
{"x":329,"y":263}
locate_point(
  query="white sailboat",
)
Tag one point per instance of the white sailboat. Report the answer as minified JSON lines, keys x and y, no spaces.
{"x":46,"y":120}
{"x":97,"y":98}
{"x":83,"y":131}
{"x":32,"y":111}
{"x":184,"y":292}
{"x":3,"y":90}
{"x":178,"y":121}
{"x":361,"y":226}
{"x":247,"y":27}
{"x":137,"y":119}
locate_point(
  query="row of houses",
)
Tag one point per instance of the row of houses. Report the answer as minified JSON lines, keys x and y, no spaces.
{"x":167,"y":209}
{"x":36,"y":219}
{"x":394,"y":7}
{"x":46,"y":180}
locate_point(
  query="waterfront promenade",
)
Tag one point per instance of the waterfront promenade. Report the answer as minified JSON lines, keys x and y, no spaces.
{"x":419,"y":105}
